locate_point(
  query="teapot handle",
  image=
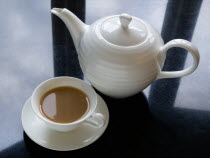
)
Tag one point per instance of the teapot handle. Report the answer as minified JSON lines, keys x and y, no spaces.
{"x":182,"y":44}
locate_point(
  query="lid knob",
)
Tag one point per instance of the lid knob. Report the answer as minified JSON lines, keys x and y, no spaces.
{"x":123,"y":30}
{"x":125,"y":20}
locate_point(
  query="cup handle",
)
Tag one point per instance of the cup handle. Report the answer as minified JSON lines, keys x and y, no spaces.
{"x":182,"y":44}
{"x":96,"y":120}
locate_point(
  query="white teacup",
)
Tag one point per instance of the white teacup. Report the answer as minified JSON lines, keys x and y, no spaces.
{"x":95,"y":120}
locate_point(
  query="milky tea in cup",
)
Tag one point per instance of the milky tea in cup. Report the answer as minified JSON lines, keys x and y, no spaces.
{"x":64,"y":104}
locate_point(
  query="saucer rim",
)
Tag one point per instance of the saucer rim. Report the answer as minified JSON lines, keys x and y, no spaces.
{"x":76,"y":148}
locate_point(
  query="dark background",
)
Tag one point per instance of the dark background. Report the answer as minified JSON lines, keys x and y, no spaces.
{"x":170,"y":118}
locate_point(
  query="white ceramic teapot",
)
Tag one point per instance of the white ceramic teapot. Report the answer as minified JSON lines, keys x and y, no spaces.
{"x":121,"y":55}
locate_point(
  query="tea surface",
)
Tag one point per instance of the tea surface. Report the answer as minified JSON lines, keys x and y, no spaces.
{"x":64,"y":104}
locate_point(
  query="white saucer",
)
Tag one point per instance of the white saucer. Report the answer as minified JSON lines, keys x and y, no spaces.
{"x":84,"y":135}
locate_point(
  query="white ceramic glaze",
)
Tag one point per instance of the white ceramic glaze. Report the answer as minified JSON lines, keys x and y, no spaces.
{"x":82,"y":136}
{"x":91,"y":118}
{"x":122,"y":55}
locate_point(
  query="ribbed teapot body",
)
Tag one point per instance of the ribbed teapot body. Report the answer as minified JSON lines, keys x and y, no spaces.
{"x":119,"y":71}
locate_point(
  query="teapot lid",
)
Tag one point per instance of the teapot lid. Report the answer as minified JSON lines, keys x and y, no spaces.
{"x":123,"y":30}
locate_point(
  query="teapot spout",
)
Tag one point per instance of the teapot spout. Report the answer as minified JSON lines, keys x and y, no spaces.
{"x":75,"y":26}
